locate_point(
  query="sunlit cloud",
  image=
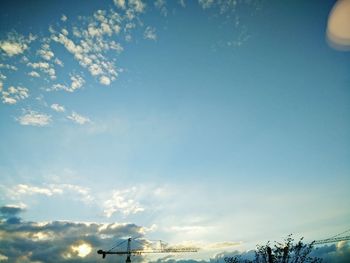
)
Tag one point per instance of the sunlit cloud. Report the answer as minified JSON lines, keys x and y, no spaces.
{"x":34,"y":118}
{"x":77,"y":82}
{"x":137,"y":5}
{"x":14,"y":94}
{"x":44,"y":67}
{"x":58,"y":108}
{"x":34,"y":74}
{"x":82,"y":249}
{"x":20,"y":191}
{"x":122,"y":202}
{"x":57,"y":241}
{"x":120,"y":3}
{"x":3,"y":257}
{"x":45,"y":52}
{"x":64,"y":18}
{"x":15,"y":44}
{"x":79,"y":119}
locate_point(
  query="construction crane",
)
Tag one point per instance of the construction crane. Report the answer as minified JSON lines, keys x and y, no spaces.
{"x":334,"y":239}
{"x":130,"y":252}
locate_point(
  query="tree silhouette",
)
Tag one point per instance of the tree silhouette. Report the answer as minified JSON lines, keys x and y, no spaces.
{"x":286,"y":252}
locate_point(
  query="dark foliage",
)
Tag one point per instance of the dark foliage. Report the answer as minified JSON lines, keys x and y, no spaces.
{"x":286,"y":252}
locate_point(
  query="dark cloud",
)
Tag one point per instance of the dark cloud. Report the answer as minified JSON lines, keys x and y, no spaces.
{"x":9,"y":214}
{"x":57,"y":241}
{"x":336,"y":253}
{"x":10,"y":211}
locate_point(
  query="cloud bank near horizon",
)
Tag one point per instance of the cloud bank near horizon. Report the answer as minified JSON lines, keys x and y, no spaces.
{"x":68,"y":241}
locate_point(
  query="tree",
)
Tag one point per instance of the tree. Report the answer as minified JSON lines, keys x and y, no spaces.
{"x":286,"y":252}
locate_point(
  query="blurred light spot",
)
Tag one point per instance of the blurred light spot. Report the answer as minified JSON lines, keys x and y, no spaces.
{"x":83,"y":249}
{"x":338,"y":28}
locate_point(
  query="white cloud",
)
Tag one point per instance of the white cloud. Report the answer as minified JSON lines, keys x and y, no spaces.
{"x":120,"y":3}
{"x":105,"y":80}
{"x":150,"y":33}
{"x":45,"y":52}
{"x":3,"y":257}
{"x":206,"y":3}
{"x":15,"y":44}
{"x":12,"y":48}
{"x":77,"y":83}
{"x":95,"y":70}
{"x":77,"y":118}
{"x":116,"y":46}
{"x":58,"y":62}
{"x":39,"y":65}
{"x":23,"y":189}
{"x":58,"y":108}
{"x":161,"y":5}
{"x":81,"y":193}
{"x":44,"y":67}
{"x":88,"y":52}
{"x":137,"y":5}
{"x":58,"y":87}
{"x":34,"y":118}
{"x":64,"y":18}
{"x":64,"y":32}
{"x":106,"y":29}
{"x":6,"y":66}
{"x":34,"y":74}
{"x":12,"y":95}
{"x":122,"y":202}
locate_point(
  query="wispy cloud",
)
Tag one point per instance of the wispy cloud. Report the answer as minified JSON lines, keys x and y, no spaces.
{"x":206,"y":3}
{"x":57,"y":107}
{"x":161,"y":5}
{"x":77,"y":118}
{"x":77,"y":82}
{"x":122,"y":202}
{"x":150,"y":33}
{"x":78,"y":192}
{"x":7,"y":66}
{"x":34,"y":118}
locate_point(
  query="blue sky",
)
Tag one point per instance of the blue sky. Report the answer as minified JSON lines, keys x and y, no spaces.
{"x":220,"y":124}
